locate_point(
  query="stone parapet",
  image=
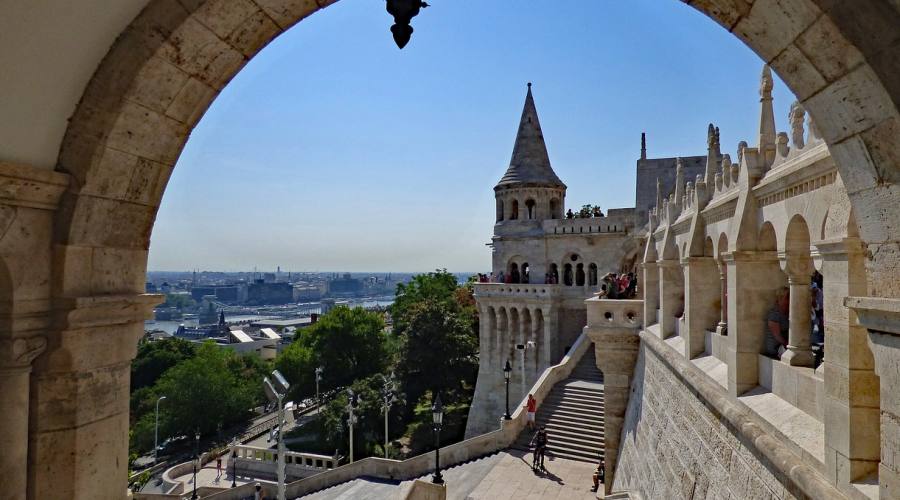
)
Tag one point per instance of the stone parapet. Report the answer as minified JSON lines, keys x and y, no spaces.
{"x":682,"y":424}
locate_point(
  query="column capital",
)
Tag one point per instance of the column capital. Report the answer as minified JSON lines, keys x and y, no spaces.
{"x":20,"y":352}
{"x":798,"y":268}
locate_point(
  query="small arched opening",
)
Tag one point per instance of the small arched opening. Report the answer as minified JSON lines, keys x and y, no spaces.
{"x":530,"y":209}
{"x":592,"y":274}
{"x":514,"y":211}
{"x":579,"y":274}
{"x":554,"y":209}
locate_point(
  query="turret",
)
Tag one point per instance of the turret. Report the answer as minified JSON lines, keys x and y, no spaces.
{"x":530,"y":189}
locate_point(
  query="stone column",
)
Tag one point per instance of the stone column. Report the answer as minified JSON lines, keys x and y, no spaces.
{"x":78,"y":432}
{"x":16,"y":356}
{"x":881,"y":317}
{"x":671,"y":291}
{"x":799,"y":352}
{"x":753,"y":278}
{"x":700,"y":278}
{"x":851,"y":385}
{"x":550,"y":323}
{"x":616,"y":344}
{"x":536,"y":335}
{"x":722,"y":327}
{"x":651,"y":293}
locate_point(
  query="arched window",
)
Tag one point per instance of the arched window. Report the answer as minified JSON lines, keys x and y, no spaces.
{"x":499,"y":210}
{"x":579,"y":275}
{"x":553,"y":277}
{"x":514,"y":276}
{"x":567,"y":275}
{"x":515,"y":210}
{"x":592,"y":275}
{"x":554,"y":209}
{"x":525,"y":277}
{"x":530,"y":209}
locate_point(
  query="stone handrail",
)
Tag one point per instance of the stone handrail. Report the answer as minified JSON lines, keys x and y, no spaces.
{"x":453,"y":454}
{"x":291,"y":458}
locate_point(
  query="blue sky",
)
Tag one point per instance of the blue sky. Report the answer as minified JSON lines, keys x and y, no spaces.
{"x":334,"y":150}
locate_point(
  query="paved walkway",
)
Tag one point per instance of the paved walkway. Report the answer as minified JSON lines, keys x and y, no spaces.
{"x":503,"y":476}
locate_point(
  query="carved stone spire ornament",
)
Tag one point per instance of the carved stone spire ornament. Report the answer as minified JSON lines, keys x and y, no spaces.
{"x":766,"y":143}
{"x":795,"y":117}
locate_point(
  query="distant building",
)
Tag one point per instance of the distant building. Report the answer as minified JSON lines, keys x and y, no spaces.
{"x":260,"y":292}
{"x":345,"y":285}
{"x":305,"y":293}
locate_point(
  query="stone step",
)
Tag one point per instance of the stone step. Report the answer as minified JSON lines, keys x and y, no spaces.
{"x":578,"y":391}
{"x":574,"y":404}
{"x":557,"y":429}
{"x":573,"y":424}
{"x":589,"y":415}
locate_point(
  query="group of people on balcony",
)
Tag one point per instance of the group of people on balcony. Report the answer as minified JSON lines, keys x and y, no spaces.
{"x":618,"y":286}
{"x":778,"y":321}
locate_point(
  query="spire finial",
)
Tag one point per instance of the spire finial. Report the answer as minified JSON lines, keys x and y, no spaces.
{"x":529,"y":85}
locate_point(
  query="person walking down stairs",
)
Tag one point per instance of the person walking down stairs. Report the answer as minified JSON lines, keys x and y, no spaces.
{"x":539,"y":442}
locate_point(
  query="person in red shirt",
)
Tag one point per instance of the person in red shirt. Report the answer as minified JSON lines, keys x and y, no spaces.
{"x":531,"y":408}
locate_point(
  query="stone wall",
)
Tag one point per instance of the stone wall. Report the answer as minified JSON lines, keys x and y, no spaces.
{"x":650,"y":169}
{"x":677,"y":442}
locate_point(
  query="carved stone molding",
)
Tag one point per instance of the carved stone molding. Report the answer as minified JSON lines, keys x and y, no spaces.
{"x":21,"y":352}
{"x":876,"y":314}
{"x":27,"y":186}
{"x":104,"y":310}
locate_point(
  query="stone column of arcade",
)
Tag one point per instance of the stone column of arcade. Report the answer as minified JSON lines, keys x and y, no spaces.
{"x":671,"y":295}
{"x":799,"y":350}
{"x":16,"y":355}
{"x":700,"y":277}
{"x":722,"y":327}
{"x":78,"y":435}
{"x":851,"y":385}
{"x":751,"y":292}
{"x":650,"y":291}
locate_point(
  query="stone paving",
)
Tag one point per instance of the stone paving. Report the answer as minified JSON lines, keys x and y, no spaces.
{"x":505,"y":475}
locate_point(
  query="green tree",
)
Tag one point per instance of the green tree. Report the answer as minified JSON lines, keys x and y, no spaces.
{"x":439,"y":351}
{"x":437,"y":286}
{"x":212,"y":390}
{"x":350,"y":344}
{"x":154,"y":358}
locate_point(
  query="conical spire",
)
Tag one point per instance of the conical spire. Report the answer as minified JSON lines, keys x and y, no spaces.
{"x":530,"y":163}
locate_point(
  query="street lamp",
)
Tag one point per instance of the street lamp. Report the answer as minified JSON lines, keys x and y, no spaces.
{"x":156,"y":431}
{"x":524,"y":347}
{"x":389,"y":397}
{"x":234,"y":465}
{"x":276,"y":389}
{"x":403,"y":11}
{"x":196,"y":461}
{"x":319,"y":371}
{"x":353,"y":401}
{"x":507,"y":371}
{"x":437,"y":415}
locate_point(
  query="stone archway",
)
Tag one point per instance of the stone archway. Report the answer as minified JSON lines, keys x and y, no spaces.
{"x":165,"y":69}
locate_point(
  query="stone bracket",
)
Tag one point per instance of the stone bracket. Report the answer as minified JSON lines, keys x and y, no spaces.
{"x":21,"y":352}
{"x":104,"y":310}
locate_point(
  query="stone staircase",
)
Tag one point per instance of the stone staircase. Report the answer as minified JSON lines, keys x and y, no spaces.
{"x":573,"y":415}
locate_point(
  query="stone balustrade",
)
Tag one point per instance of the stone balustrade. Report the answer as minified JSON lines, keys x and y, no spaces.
{"x":262,"y":461}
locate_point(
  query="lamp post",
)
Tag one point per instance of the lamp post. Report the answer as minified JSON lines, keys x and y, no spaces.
{"x":234,"y":465}
{"x":319,"y":371}
{"x":156,"y":430}
{"x":196,"y":461}
{"x":524,"y":348}
{"x":353,"y":401}
{"x":276,"y":389}
{"x":389,"y":397}
{"x":507,"y":371}
{"x":437,"y":415}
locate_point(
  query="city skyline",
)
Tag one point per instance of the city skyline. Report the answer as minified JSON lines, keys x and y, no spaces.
{"x":297,"y":162}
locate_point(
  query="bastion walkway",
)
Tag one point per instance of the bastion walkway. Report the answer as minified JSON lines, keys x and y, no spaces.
{"x":506,"y":475}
